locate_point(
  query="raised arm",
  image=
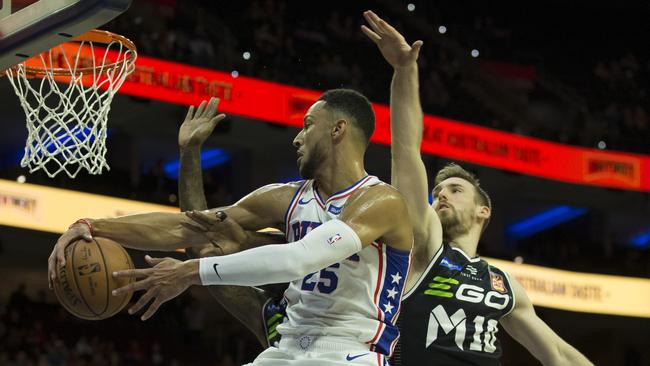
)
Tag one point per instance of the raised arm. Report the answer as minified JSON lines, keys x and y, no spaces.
{"x":408,"y":173}
{"x":527,"y":328}
{"x":244,"y":303}
{"x":375,"y":213}
{"x":196,"y":128}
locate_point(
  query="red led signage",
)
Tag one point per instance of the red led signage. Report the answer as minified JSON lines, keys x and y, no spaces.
{"x":278,"y":103}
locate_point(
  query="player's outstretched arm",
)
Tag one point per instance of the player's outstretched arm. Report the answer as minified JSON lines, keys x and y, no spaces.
{"x":408,"y":173}
{"x":265,"y":207}
{"x":161,"y":231}
{"x":375,"y":213}
{"x":244,"y":303}
{"x":542,"y":342}
{"x":196,"y":128}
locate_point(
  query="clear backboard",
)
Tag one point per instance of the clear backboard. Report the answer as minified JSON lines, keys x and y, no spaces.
{"x":29,"y":27}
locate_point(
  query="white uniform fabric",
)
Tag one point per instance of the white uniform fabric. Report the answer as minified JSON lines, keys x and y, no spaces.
{"x":356,"y":301}
{"x":319,"y":351}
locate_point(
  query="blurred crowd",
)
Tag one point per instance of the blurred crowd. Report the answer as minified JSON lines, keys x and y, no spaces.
{"x":36,"y":332}
{"x":291,"y":43}
{"x":602,"y":103}
{"x":568,"y":250}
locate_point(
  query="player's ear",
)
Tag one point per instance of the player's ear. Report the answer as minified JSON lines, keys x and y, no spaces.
{"x":483,"y":212}
{"x":339,"y":129}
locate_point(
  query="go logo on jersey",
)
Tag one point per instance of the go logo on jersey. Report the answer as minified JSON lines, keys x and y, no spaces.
{"x":484,"y":337}
{"x":442,"y":287}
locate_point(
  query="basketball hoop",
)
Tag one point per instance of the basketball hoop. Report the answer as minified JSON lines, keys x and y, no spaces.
{"x":66,"y":94}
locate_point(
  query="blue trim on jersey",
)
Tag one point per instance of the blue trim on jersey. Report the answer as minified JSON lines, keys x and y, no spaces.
{"x":317,"y":195}
{"x":397,"y":266}
{"x":286,"y":214}
{"x":347,"y":189}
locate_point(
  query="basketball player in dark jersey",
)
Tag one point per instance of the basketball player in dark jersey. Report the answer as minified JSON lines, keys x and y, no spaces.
{"x":454,"y":300}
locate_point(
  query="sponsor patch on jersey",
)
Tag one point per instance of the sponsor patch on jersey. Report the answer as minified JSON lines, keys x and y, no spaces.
{"x":445,"y":262}
{"x":496,"y":280}
{"x":471,"y":269}
{"x":334,"y":238}
{"x":334,"y":210}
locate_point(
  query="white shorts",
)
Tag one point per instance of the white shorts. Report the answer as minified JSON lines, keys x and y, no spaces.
{"x":319,"y":351}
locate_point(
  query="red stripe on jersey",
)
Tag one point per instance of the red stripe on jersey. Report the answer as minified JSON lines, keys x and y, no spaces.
{"x":333,"y":198}
{"x":380,"y":276}
{"x":392,"y":345}
{"x":317,"y":196}
{"x":374,"y":339}
{"x":401,"y":297}
{"x":379,"y":359}
{"x":293,"y":207}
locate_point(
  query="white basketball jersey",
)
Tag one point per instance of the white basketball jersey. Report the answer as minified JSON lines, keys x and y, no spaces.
{"x":358,"y":298}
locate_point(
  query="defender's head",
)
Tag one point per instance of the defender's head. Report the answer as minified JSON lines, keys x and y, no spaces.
{"x":338,"y":118}
{"x":460,"y":202}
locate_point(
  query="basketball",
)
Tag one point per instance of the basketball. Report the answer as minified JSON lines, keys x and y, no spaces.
{"x":84,"y":285}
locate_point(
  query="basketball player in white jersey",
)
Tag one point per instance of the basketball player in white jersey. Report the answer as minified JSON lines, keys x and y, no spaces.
{"x":448,"y":278}
{"x":347,"y":260}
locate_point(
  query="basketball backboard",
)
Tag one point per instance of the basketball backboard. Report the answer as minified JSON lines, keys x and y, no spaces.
{"x":29,"y":27}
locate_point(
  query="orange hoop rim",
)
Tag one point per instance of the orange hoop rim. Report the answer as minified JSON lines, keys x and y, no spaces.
{"x":94,"y":36}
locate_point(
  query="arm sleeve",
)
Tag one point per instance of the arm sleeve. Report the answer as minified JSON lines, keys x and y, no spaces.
{"x":325,"y":245}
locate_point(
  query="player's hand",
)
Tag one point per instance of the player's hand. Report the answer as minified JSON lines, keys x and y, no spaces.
{"x":167,"y":279}
{"x":198,"y":126}
{"x":224,"y":232}
{"x":391,"y":43}
{"x":57,"y":259}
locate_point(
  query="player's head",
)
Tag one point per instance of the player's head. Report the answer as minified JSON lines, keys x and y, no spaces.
{"x":340,"y":117}
{"x":460,"y":202}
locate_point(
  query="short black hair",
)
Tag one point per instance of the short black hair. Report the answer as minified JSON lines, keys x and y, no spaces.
{"x":354,"y":105}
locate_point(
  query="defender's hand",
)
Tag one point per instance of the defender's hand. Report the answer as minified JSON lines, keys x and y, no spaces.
{"x":167,"y":279}
{"x":224,"y":232}
{"x":391,"y":43}
{"x":56,"y":260}
{"x":198,"y":126}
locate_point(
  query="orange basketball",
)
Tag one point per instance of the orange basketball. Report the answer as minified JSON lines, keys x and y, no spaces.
{"x":84,"y":285}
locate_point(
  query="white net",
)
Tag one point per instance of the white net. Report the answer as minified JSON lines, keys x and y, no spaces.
{"x":66,"y":116}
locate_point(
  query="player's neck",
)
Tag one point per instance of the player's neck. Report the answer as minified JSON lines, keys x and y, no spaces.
{"x":339,"y":173}
{"x":468,"y":243}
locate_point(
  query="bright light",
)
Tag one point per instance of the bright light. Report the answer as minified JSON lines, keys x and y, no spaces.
{"x":641,"y":240}
{"x":246,"y":55}
{"x":475,"y":53}
{"x":209,"y":158}
{"x":21,"y":179}
{"x":410,"y":7}
{"x":442,"y":29}
{"x":541,"y":221}
{"x":602,"y":145}
{"x":234,"y":74}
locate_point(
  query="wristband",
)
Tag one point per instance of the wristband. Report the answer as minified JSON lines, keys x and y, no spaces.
{"x":85,"y":222}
